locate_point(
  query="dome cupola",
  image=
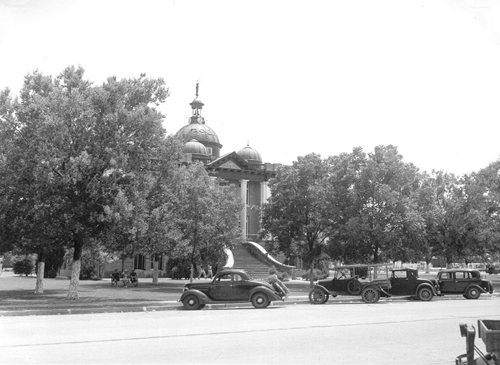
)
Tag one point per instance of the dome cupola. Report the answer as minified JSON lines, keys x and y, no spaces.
{"x":195,"y":147}
{"x":198,"y":130}
{"x":251,"y":155}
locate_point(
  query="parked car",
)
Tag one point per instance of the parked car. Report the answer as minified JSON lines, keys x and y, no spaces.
{"x":405,"y":282}
{"x":369,"y":281}
{"x":463,"y":281}
{"x":230,"y":286}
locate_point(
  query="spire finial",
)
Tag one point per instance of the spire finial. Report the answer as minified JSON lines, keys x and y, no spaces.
{"x":197,"y":87}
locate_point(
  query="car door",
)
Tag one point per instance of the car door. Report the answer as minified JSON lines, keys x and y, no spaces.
{"x":222,"y":288}
{"x":399,"y":280}
{"x":241,"y":288}
{"x":462,"y":281}
{"x":447,"y":282}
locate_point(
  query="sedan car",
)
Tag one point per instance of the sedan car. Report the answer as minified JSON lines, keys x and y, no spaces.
{"x":230,"y":286}
{"x":463,"y":281}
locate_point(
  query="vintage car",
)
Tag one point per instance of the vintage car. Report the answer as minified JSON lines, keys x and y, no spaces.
{"x":463,"y":281}
{"x":370,"y":281}
{"x":405,"y":282}
{"x":230,"y":286}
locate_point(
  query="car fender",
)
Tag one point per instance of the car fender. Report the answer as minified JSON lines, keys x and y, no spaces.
{"x":334,"y":294}
{"x":204,"y":299}
{"x":428,"y":286}
{"x":489,"y":285}
{"x":378,"y":287}
{"x":270,"y":294}
{"x":475,"y":286}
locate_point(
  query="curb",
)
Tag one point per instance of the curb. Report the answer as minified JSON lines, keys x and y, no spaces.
{"x":175,"y":305}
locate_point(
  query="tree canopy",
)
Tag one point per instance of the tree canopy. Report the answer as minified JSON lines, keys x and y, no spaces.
{"x":359,"y":207}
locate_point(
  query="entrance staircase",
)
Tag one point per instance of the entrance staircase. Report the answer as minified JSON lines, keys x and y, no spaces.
{"x":255,"y":260}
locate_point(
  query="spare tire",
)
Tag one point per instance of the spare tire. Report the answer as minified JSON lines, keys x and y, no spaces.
{"x":354,"y":287}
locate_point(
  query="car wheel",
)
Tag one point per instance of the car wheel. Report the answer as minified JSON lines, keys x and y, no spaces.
{"x":354,"y":287}
{"x":260,"y":300}
{"x":425,"y":294}
{"x":318,"y":296}
{"x":370,"y":295}
{"x":191,"y":302}
{"x":473,"y":293}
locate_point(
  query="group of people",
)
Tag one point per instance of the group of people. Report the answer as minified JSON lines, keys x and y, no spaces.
{"x":124,"y":279}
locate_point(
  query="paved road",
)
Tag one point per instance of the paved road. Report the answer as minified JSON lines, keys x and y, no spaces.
{"x":402,"y":332}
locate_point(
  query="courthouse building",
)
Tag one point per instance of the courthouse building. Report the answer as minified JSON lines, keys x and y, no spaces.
{"x":243,"y":168}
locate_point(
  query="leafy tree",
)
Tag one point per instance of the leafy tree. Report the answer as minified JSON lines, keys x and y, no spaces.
{"x":384,"y":214}
{"x":294,"y":214}
{"x":206,"y":213}
{"x":339,"y":201}
{"x":77,"y":149}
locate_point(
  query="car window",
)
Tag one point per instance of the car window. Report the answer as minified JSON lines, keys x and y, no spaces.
{"x":400,"y":274}
{"x":237,"y":277}
{"x":475,"y":275}
{"x":445,"y":275}
{"x":225,"y":277}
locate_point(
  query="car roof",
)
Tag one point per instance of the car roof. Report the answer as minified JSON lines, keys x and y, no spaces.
{"x":233,"y":271}
{"x":455,"y":270}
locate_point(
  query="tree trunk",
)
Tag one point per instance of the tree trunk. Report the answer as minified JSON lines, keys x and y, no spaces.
{"x":75,"y":280}
{"x":39,"y":277}
{"x":311,"y":275}
{"x":427,"y":267}
{"x":155,"y":270}
{"x":75,"y":269}
{"x":191,"y":274}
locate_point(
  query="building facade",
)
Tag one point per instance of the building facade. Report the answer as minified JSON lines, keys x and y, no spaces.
{"x":243,"y":168}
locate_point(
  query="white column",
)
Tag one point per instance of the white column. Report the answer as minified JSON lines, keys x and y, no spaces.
{"x":263,"y":193}
{"x":243,"y":216}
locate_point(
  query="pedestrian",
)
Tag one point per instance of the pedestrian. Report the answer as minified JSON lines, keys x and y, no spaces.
{"x":276,"y":282}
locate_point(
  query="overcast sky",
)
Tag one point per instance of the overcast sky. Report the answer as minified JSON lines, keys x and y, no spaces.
{"x":289,"y":77}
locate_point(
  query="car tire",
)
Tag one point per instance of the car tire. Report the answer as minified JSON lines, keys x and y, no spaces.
{"x":370,"y":295}
{"x":318,"y":296}
{"x":472,"y":293}
{"x":260,"y":300}
{"x":425,"y":294}
{"x":191,"y":302}
{"x":353,"y":287}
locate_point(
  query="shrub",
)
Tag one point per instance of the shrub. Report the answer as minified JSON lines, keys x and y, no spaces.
{"x":178,"y":268}
{"x":317,"y":275}
{"x":87,"y":273}
{"x":24,"y":266}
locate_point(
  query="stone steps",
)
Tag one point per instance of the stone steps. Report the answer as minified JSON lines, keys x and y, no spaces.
{"x":245,"y":261}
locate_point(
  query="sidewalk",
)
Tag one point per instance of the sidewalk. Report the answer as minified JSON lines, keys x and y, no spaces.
{"x":17,"y":298}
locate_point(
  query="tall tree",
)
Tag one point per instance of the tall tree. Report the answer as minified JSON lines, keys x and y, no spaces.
{"x":207,"y":214}
{"x":293,"y":215}
{"x":339,"y":202}
{"x":81,"y":146}
{"x":383,"y":199}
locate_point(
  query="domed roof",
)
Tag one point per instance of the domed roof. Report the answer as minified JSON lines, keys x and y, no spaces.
{"x":196,"y":103}
{"x":195,"y":147}
{"x":250,"y":154}
{"x":201,"y":132}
